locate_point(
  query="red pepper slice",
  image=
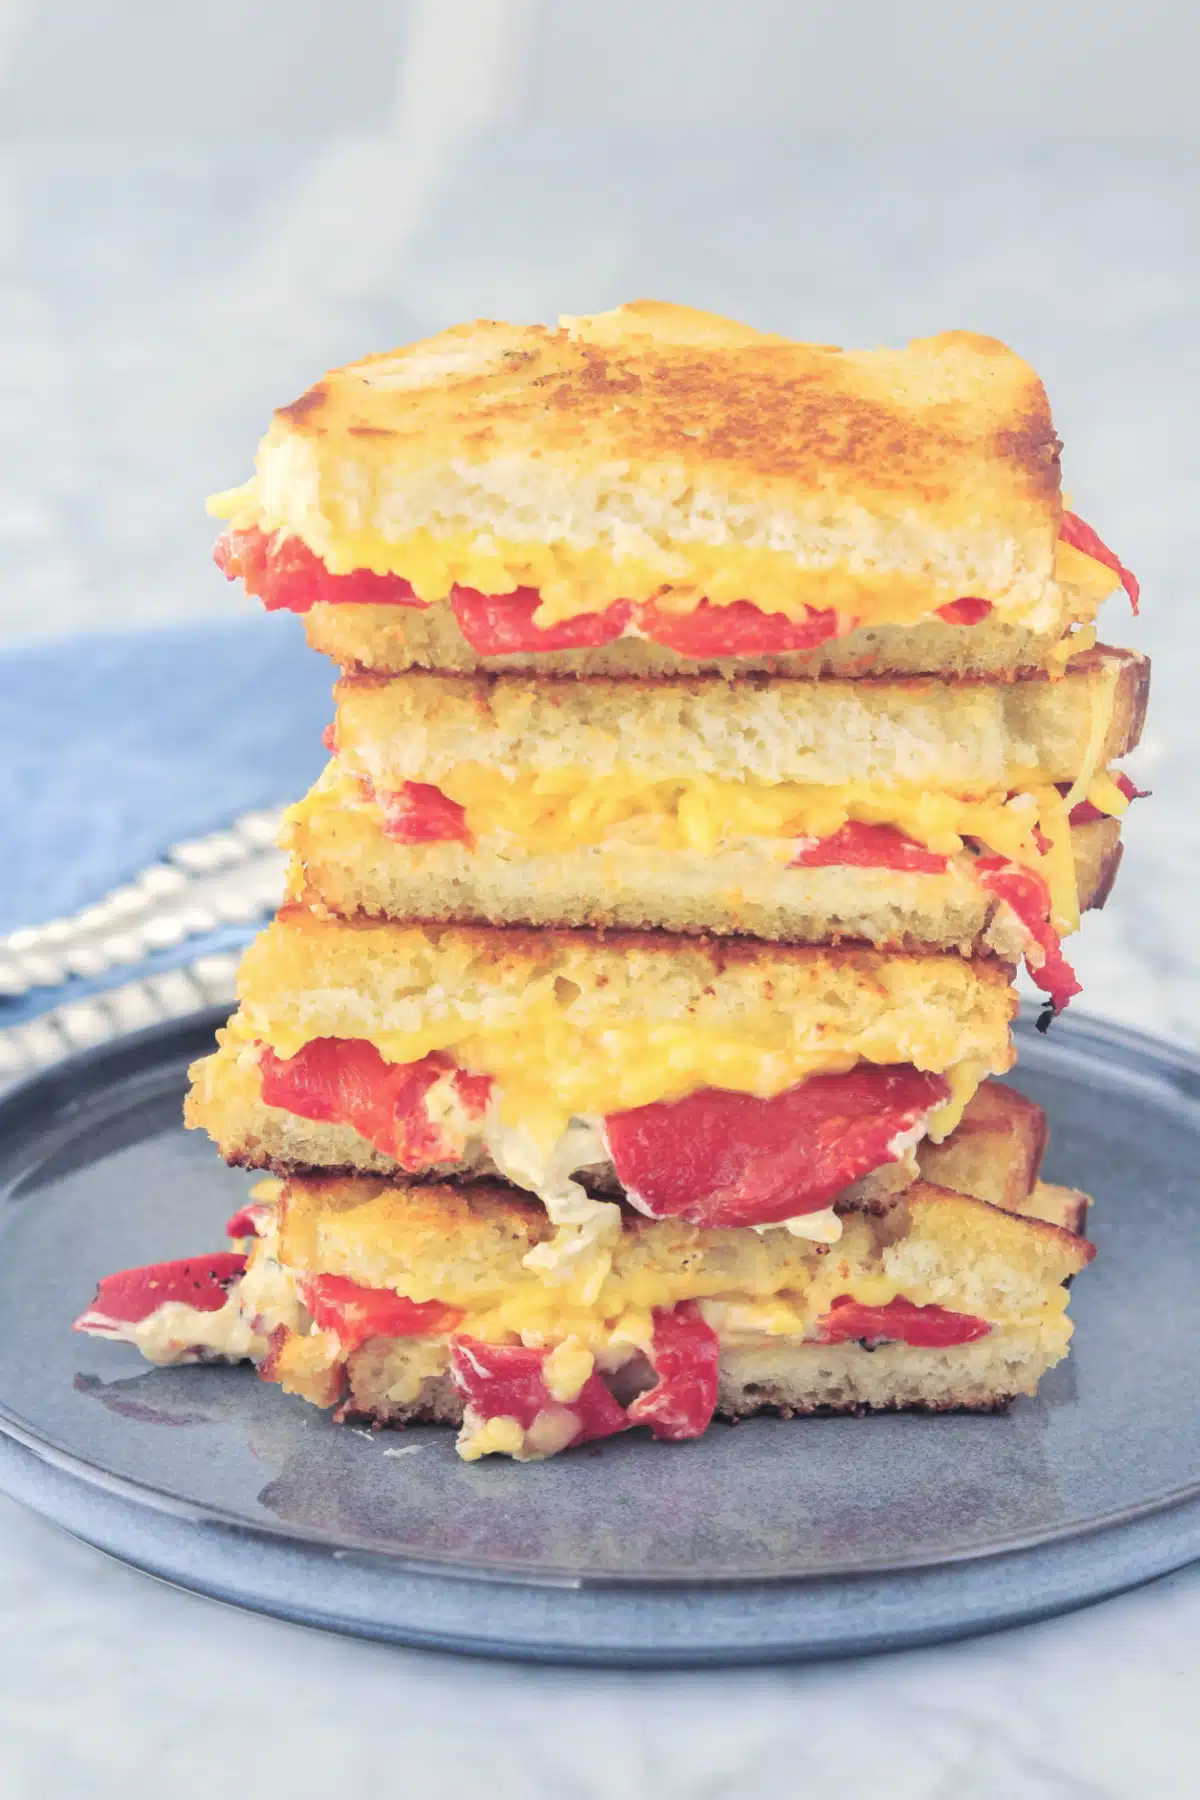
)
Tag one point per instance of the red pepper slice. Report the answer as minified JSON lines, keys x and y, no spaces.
{"x":967,"y":611}
{"x":249,"y":1220}
{"x":419,"y":813}
{"x":508,"y":1381}
{"x":356,"y":1313}
{"x":1080,"y":536}
{"x":499,"y":624}
{"x":724,"y":1159}
{"x":1084,"y":813}
{"x":346,"y":1081}
{"x":1026,"y":892}
{"x":287,"y":576}
{"x":869,"y":847}
{"x":739,"y":629}
{"x":900,"y":1321}
{"x":685,"y":1353}
{"x":202,"y":1282}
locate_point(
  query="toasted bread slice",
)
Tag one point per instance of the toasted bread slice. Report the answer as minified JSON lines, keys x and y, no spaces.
{"x":656,"y":453}
{"x":953,"y":736}
{"x":994,"y":1153}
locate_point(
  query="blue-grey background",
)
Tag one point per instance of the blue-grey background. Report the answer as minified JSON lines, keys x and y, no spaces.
{"x":202,"y":206}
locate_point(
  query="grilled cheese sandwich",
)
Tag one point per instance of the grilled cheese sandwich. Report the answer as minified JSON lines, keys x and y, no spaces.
{"x":426,"y":1302}
{"x":572,"y":1023}
{"x":697,"y":486}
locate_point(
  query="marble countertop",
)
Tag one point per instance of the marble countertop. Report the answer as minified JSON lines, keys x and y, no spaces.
{"x":157,"y":298}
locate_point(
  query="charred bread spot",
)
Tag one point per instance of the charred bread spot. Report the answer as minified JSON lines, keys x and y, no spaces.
{"x":301,"y":411}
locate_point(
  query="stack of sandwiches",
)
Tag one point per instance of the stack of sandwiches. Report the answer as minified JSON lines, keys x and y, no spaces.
{"x":721,"y":722}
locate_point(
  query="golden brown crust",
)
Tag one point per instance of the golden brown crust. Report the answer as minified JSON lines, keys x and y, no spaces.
{"x":981,"y":1219}
{"x":465,"y":1246}
{"x":1106,"y":871}
{"x":995,"y":1152}
{"x":951,"y":424}
{"x":601,"y":958}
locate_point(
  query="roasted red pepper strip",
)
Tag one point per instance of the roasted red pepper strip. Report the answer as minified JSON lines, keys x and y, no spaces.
{"x":419,"y":813}
{"x":355,"y":1314}
{"x":1073,"y":531}
{"x":967,"y":611}
{"x":900,"y":1321}
{"x":287,"y":576}
{"x":685,"y":1353}
{"x":508,"y":1381}
{"x":739,"y":629}
{"x":724,"y":1159}
{"x":499,"y":624}
{"x":345,"y":1081}
{"x":868,"y":847}
{"x":1029,"y":897}
{"x":249,"y":1220}
{"x":202,"y":1282}
{"x":1085,"y":813}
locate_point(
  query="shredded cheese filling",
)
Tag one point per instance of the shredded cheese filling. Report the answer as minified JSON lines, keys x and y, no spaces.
{"x":549,"y":811}
{"x":549,"y":1072}
{"x":579,"y":578}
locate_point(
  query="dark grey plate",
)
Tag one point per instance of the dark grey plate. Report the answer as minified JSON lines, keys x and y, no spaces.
{"x":775,"y":1540}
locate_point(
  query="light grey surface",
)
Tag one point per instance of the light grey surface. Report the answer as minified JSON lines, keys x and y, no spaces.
{"x":113,"y":1682}
{"x":1056,"y":67}
{"x":157,"y":298}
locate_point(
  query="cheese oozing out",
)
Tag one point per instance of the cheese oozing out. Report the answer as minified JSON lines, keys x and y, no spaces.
{"x":177,"y":1333}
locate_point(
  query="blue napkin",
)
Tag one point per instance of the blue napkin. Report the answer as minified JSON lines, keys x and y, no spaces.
{"x":114,"y":747}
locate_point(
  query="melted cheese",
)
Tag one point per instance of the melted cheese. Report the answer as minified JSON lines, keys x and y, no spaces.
{"x":177,"y":1333}
{"x":822,"y":1227}
{"x":618,"y":1324}
{"x":1076,"y":569}
{"x":1103,"y":696}
{"x":574,"y":579}
{"x":561,"y":809}
{"x":548,"y":1073}
{"x":568,"y":1367}
{"x":964,"y":1078}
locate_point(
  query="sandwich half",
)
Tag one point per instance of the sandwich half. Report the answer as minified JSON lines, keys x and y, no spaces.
{"x":724,"y":1081}
{"x":907,"y":814}
{"x":658,"y":490}
{"x":399,"y":1303}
